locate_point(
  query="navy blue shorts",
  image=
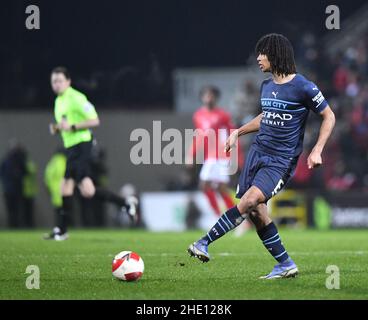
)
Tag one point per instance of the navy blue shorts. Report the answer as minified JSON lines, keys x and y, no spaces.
{"x":268,"y":172}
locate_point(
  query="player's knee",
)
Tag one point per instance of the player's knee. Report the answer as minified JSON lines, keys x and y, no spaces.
{"x":254,"y":215}
{"x":87,"y":188}
{"x":66,"y":192}
{"x":88,"y":192}
{"x":67,"y":189}
{"x":247,"y":204}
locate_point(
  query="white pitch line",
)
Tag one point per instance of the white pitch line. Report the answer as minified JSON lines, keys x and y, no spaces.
{"x":229,"y":254}
{"x":297,"y":253}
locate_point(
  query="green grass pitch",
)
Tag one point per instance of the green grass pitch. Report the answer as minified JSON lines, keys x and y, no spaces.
{"x":80,"y":268}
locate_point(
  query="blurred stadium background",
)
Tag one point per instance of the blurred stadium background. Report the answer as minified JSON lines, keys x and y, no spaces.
{"x":147,"y":60}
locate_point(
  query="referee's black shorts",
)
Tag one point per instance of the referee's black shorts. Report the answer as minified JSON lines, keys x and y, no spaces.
{"x":78,"y":161}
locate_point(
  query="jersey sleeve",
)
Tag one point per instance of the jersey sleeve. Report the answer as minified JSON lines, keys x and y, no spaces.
{"x":85,"y":108}
{"x":314,"y":99}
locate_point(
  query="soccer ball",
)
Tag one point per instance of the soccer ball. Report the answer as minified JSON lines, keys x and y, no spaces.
{"x":127,"y":266}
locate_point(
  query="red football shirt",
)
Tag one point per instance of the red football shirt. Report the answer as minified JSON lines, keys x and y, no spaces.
{"x":210,"y":122}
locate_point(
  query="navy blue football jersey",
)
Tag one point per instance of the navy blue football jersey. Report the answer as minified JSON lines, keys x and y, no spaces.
{"x":285,"y":109}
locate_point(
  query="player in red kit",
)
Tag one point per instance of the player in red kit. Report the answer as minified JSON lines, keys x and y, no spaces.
{"x":210,"y":120}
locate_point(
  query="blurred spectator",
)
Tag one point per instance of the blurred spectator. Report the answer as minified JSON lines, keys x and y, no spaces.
{"x":30,"y":190}
{"x":245,"y":107}
{"x":344,"y":75}
{"x":341,"y":180}
{"x":307,"y":51}
{"x":54,"y":175}
{"x":340,"y":79}
{"x":245,"y":103}
{"x":359,"y":120}
{"x":352,"y":88}
{"x":303,"y":175}
{"x":12,"y":172}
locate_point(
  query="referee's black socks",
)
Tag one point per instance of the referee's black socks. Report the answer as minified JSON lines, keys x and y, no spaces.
{"x":63,"y":213}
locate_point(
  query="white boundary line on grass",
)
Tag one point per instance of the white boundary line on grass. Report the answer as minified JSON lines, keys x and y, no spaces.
{"x":294,"y":253}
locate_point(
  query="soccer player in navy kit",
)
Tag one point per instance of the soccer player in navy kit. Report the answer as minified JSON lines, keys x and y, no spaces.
{"x":286,"y":99}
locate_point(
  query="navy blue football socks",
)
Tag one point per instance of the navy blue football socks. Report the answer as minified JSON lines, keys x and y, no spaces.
{"x":227,"y":222}
{"x":269,"y":234}
{"x":272,"y":241}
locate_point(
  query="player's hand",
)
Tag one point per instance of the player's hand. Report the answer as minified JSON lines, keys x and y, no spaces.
{"x":314,"y":159}
{"x":231,"y":141}
{"x":64,"y":125}
{"x":53,"y":128}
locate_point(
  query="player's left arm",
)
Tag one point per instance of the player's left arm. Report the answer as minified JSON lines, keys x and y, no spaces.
{"x":327,"y":125}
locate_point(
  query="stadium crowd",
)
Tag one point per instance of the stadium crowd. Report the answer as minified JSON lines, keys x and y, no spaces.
{"x":342,"y":77}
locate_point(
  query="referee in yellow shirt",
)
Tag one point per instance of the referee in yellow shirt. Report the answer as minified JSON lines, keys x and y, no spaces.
{"x":75,"y":117}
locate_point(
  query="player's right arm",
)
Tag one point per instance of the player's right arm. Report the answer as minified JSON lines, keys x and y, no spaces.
{"x":249,"y":127}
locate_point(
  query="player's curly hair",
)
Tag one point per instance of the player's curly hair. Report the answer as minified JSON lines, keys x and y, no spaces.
{"x":279,"y":52}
